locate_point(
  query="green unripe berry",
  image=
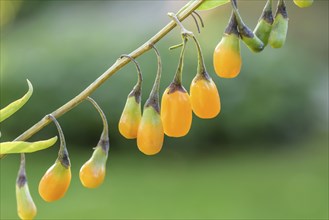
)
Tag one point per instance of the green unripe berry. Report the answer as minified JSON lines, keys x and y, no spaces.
{"x":279,"y":27}
{"x":264,"y":25}
{"x":263,"y":31}
{"x":251,"y":40}
{"x":247,"y":36}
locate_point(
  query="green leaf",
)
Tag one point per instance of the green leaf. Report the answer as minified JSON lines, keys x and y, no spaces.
{"x":14,"y":147}
{"x":10,"y":109}
{"x":210,"y":4}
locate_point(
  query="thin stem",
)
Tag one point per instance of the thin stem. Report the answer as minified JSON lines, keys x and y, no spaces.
{"x":153,"y":99}
{"x":137,"y":90}
{"x":267,"y":14}
{"x":139,"y":72}
{"x":183,"y":14}
{"x":237,"y":14}
{"x":183,"y":29}
{"x":176,"y":46}
{"x":179,"y":72}
{"x":234,"y":4}
{"x":201,"y":66}
{"x":185,"y":33}
{"x":63,"y":154}
{"x":174,"y":17}
{"x":104,"y":140}
{"x":268,"y":6}
{"x":232,"y":26}
{"x":156,"y":86}
{"x":196,"y":23}
{"x":244,"y":30}
{"x":200,"y":18}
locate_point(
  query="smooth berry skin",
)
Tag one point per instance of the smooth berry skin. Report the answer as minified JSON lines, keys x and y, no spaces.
{"x":176,"y":112}
{"x":204,"y":97}
{"x":26,"y":208}
{"x":227,"y":58}
{"x":130,"y":118}
{"x":92,"y":173}
{"x":150,"y":132}
{"x":54,"y":184}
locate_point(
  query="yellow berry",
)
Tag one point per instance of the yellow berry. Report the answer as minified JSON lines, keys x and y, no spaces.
{"x":130,"y":118}
{"x":176,"y":111}
{"x":25,"y":206}
{"x":227,"y":57}
{"x":204,"y":97}
{"x":55,"y":182}
{"x":92,"y":173}
{"x":150,"y":132}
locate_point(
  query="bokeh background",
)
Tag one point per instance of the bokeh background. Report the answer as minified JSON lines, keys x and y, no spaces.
{"x":264,"y":157}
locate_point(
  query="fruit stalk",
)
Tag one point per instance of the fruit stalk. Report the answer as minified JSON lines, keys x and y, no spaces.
{"x":153,"y":99}
{"x":104,"y":139}
{"x":63,"y":154}
{"x":183,"y":14}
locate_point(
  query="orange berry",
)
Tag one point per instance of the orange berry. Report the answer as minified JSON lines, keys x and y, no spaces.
{"x":150,"y":132}
{"x":25,"y":206}
{"x":176,"y":111}
{"x":204,"y":97}
{"x":130,"y":118}
{"x":227,"y":57}
{"x":92,"y":173}
{"x":55,"y":182}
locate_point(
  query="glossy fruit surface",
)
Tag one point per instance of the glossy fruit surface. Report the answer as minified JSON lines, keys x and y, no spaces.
{"x":54,"y":184}
{"x":92,"y":173}
{"x":204,"y":97}
{"x":227,"y":58}
{"x":150,"y":132}
{"x":25,"y":206}
{"x":130,"y":118}
{"x":303,"y":3}
{"x":176,"y":112}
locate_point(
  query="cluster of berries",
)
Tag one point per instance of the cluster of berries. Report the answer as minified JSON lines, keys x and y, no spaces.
{"x":56,"y":181}
{"x":269,"y":30}
{"x":174,"y":118}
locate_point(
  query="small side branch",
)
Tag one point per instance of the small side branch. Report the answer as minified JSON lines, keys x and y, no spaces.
{"x":188,"y":9}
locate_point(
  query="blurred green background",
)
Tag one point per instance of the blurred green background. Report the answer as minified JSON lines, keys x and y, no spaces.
{"x":264,"y":157}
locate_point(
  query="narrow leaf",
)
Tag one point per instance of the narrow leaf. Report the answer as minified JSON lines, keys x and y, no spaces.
{"x":210,"y":4}
{"x":10,"y":109}
{"x":25,"y":147}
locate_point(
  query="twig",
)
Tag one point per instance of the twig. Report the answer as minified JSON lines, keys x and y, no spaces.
{"x":187,"y":10}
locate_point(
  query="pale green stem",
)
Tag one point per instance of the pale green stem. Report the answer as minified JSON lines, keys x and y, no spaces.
{"x":179,"y":72}
{"x":201,"y":66}
{"x":153,"y":99}
{"x":63,"y":154}
{"x":187,"y":10}
{"x":139,"y":72}
{"x":104,"y":140}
